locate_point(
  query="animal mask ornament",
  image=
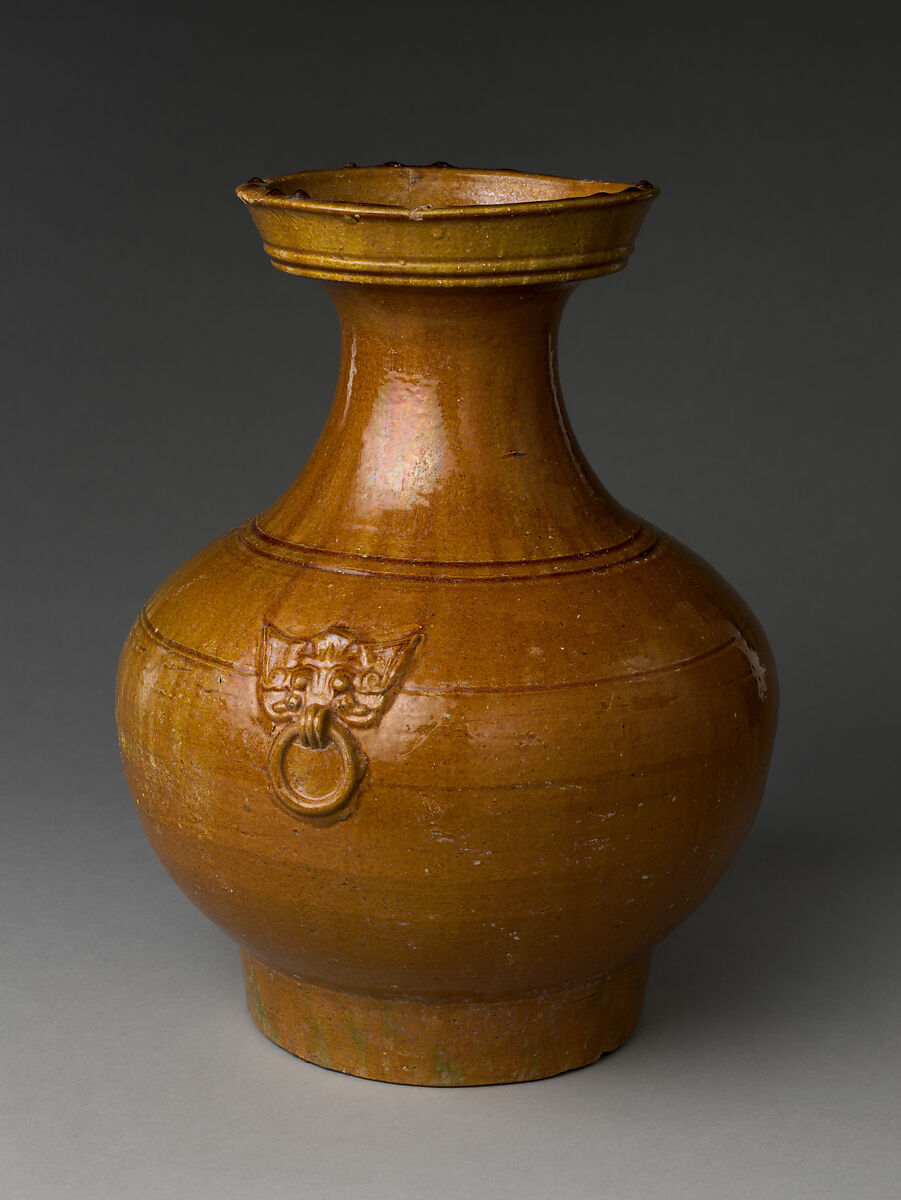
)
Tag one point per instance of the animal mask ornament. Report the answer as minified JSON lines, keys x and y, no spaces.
{"x":350,"y":675}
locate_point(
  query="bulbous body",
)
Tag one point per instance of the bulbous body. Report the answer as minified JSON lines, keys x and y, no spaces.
{"x":447,"y":740}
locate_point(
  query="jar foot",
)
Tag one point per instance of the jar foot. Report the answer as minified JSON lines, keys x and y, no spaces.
{"x":446,"y":1043}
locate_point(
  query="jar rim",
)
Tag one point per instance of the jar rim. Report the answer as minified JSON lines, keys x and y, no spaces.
{"x":443,"y":226}
{"x":435,"y":191}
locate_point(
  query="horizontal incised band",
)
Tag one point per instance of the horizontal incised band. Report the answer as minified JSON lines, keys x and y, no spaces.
{"x":209,"y":660}
{"x":259,"y":541}
{"x":455,"y":689}
{"x":450,"y":271}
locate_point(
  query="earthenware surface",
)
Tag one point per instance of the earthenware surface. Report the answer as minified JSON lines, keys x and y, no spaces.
{"x":446,"y":738}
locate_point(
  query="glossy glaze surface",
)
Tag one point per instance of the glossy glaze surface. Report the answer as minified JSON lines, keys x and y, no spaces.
{"x":446,"y":739}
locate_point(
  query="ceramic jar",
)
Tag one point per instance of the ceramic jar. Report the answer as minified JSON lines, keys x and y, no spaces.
{"x":446,"y":739}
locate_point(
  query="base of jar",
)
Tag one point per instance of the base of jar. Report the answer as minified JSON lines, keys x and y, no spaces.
{"x":446,"y":1043}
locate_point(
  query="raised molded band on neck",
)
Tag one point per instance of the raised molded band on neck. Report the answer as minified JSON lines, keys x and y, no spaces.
{"x":444,"y":226}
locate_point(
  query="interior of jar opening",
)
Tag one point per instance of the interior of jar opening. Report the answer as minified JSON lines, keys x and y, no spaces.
{"x":435,"y":186}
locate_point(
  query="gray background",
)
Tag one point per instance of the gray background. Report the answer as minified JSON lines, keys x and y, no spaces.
{"x":749,"y":362}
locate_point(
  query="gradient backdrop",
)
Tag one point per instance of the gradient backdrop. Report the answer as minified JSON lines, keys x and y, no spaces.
{"x":749,"y":359}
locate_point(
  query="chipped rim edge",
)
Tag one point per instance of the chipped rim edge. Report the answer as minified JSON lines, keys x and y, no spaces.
{"x":265,"y":191}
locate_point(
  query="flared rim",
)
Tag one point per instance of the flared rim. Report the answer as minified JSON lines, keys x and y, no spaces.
{"x":443,"y":226}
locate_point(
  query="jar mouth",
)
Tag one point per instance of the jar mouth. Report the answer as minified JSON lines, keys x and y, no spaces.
{"x":435,"y":190}
{"x":443,"y":226}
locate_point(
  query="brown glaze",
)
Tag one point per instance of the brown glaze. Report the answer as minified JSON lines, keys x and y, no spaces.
{"x":446,"y":739}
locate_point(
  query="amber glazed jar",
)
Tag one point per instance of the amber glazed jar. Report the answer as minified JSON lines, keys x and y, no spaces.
{"x":446,"y":739}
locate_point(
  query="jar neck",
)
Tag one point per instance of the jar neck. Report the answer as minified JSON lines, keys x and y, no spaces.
{"x":448,"y":440}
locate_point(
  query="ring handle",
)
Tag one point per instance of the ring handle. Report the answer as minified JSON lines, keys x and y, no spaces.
{"x":316,"y":731}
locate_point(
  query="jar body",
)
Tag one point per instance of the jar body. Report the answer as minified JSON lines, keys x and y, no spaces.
{"x":564,"y":773}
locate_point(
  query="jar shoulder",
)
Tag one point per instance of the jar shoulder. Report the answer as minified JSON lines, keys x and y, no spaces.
{"x":657,"y":610}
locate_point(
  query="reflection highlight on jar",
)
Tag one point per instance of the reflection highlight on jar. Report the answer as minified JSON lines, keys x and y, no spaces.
{"x":405,"y":451}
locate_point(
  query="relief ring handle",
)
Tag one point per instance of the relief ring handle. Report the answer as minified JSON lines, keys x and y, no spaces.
{"x":316,"y":730}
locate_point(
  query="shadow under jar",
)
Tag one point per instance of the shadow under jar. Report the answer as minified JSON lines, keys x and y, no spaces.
{"x":446,"y":739}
